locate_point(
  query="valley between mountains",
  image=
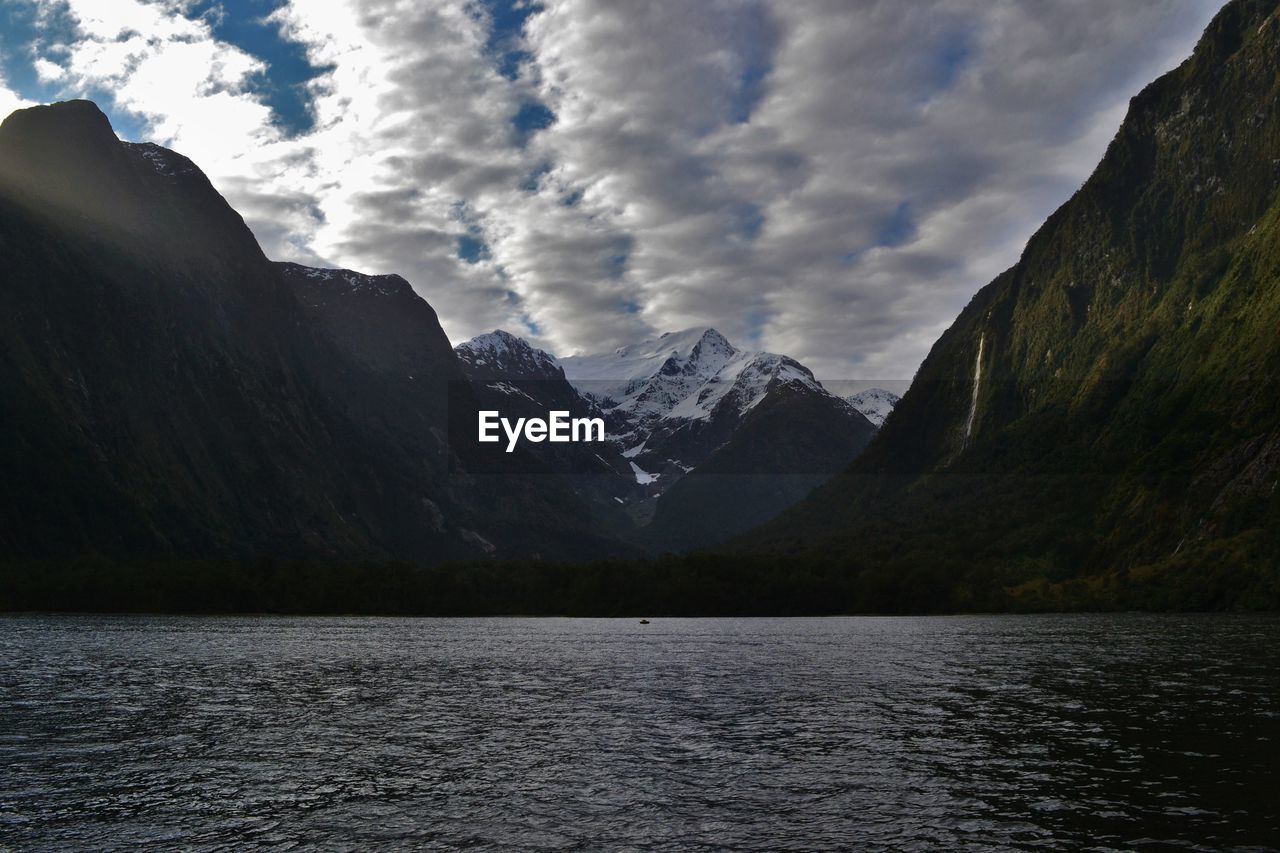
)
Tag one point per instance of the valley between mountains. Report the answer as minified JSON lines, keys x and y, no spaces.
{"x":169,"y":391}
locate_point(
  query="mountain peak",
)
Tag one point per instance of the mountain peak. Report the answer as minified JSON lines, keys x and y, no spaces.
{"x":80,"y":120}
{"x":696,"y":332}
{"x":63,"y":146}
{"x":687,"y":339}
{"x":875,"y":404}
{"x":498,"y":337}
{"x":64,"y":160}
{"x":504,"y":355}
{"x":346,"y":281}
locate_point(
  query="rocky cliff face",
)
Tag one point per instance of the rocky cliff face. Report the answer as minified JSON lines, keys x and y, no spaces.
{"x":1110,"y":401}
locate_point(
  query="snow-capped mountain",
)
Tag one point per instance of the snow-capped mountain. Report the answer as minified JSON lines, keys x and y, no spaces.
{"x":874,"y":403}
{"x":653,"y":376}
{"x":501,"y":355}
{"x":681,"y":374}
{"x":690,"y":403}
{"x":761,"y":428}
{"x":694,"y":375}
{"x":509,"y":375}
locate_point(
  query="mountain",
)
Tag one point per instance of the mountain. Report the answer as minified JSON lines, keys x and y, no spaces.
{"x":501,"y":355}
{"x":418,"y":394}
{"x":510,"y":376}
{"x":166,"y":391}
{"x":1104,"y":415}
{"x":718,"y":437}
{"x":674,"y":400}
{"x":785,"y":445}
{"x":705,"y":440}
{"x":875,"y":404}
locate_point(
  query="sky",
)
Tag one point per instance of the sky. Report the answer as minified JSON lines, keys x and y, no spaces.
{"x":829,"y":179}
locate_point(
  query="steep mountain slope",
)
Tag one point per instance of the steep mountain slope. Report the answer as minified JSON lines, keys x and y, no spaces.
{"x":1110,"y":402}
{"x":164,"y":393}
{"x":786,"y":445}
{"x":141,"y":363}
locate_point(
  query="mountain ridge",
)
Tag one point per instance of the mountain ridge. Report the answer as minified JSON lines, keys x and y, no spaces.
{"x":729,"y":436}
{"x":165,"y":393}
{"x":1106,"y":406}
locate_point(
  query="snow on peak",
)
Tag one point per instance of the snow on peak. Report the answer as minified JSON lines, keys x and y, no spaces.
{"x":502,"y":353}
{"x":498,"y":342}
{"x":349,"y":281}
{"x":689,"y":354}
{"x":875,"y":404}
{"x":165,"y":162}
{"x":744,"y":382}
{"x":683,"y":375}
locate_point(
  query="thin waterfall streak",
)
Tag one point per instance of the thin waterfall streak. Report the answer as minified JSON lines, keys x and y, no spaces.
{"x":977,"y":383}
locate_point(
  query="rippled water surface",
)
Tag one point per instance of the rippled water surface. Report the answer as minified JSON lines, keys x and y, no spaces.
{"x":979,"y":732}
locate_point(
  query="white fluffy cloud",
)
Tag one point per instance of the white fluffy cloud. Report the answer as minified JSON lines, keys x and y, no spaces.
{"x":10,"y":101}
{"x":832,"y":180}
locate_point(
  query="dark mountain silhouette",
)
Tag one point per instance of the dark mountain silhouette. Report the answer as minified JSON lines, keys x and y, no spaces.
{"x":164,"y":392}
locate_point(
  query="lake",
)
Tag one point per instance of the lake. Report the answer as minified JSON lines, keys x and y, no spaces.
{"x":1052,"y":732}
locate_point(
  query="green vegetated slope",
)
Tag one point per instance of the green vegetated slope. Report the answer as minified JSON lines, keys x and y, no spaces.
{"x":1125,"y":425}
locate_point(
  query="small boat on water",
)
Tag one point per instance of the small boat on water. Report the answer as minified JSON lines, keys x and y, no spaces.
{"x":644,"y":621}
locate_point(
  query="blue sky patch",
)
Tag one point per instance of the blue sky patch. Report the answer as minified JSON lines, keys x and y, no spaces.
{"x":753,"y":39}
{"x":898,"y":229}
{"x":531,"y":118}
{"x":616,"y":265}
{"x":748,"y":219}
{"x":534,"y":178}
{"x":507,"y":19}
{"x":20,"y":42}
{"x":472,"y":249}
{"x":750,"y":90}
{"x":283,"y":87}
{"x":756,"y":321}
{"x":18,"y":34}
{"x":950,"y":58}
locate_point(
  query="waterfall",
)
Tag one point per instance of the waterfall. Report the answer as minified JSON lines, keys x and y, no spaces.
{"x":977,"y":383}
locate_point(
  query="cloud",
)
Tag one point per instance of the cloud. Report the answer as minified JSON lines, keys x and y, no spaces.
{"x":10,"y":100}
{"x":898,"y":158}
{"x":48,"y":72}
{"x":833,"y":180}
